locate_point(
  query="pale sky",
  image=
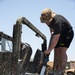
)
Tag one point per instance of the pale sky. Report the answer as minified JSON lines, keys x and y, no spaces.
{"x":11,"y":10}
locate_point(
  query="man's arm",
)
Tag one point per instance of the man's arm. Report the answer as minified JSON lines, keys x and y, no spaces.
{"x":53,"y":42}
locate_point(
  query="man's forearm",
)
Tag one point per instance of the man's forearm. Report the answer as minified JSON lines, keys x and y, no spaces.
{"x":53,"y":41}
{"x":50,"y":40}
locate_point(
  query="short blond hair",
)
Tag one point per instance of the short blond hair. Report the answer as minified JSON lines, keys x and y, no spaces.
{"x":47,"y":13}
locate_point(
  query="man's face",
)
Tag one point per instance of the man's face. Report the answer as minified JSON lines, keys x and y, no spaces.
{"x":43,"y":18}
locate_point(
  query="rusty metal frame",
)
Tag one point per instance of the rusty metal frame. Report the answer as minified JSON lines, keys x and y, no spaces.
{"x":16,"y":40}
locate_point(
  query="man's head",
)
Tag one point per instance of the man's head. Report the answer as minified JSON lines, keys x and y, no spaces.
{"x":46,"y":14}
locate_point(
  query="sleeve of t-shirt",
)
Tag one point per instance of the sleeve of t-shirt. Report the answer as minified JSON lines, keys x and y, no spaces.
{"x":57,"y":28}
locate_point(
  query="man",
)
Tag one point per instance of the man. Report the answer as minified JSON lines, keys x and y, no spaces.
{"x":61,"y":37}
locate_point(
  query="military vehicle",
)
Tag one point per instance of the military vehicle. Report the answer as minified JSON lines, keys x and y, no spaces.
{"x":16,"y":60}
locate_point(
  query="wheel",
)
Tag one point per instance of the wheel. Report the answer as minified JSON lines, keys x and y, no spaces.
{"x":25,"y":54}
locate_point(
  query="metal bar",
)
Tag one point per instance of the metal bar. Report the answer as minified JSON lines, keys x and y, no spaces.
{"x":17,"y":38}
{"x":6,"y":36}
{"x":31,"y":26}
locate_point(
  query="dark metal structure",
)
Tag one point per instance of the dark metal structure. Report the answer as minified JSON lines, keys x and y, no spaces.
{"x":10,"y":62}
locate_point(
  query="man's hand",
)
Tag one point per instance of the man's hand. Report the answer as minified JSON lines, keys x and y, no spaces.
{"x":47,"y":52}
